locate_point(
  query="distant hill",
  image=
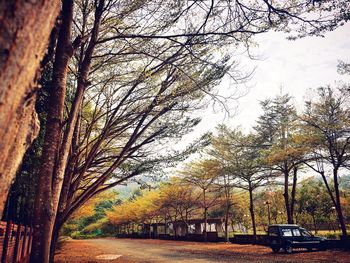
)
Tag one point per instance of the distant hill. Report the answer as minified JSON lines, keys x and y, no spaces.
{"x":125,"y":191}
{"x":344,"y":182}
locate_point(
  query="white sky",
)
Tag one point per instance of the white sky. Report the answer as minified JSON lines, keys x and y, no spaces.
{"x":294,"y":65}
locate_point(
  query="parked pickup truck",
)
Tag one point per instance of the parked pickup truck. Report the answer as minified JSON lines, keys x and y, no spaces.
{"x":289,"y":237}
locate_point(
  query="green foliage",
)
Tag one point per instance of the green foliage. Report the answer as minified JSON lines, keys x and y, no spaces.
{"x":79,"y":235}
{"x":313,"y":200}
{"x":90,"y":220}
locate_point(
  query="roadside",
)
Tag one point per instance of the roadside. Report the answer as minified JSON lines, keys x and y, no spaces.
{"x":152,"y":251}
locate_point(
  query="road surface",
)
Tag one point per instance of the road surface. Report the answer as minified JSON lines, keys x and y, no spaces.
{"x":156,"y":251}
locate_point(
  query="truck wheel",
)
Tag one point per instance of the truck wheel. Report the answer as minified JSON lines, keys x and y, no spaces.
{"x":275,"y":249}
{"x":288,"y":249}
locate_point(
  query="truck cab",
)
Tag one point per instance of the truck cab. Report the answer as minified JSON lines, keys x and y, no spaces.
{"x":289,"y":237}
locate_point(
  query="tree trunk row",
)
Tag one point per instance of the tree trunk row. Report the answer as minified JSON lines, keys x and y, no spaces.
{"x":45,"y":206}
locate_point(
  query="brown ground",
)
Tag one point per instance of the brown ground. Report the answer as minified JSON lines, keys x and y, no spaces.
{"x":151,"y":251}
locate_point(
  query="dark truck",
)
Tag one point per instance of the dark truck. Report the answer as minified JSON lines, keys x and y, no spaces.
{"x":289,"y":237}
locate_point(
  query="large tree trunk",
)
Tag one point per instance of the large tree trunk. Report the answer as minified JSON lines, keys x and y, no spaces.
{"x":25,"y":28}
{"x":45,"y":208}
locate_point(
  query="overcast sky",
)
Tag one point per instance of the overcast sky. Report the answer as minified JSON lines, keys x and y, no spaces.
{"x":296,"y":66}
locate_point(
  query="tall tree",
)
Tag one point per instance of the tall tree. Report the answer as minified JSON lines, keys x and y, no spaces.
{"x":277,"y":128}
{"x":326,"y":131}
{"x":243,"y":162}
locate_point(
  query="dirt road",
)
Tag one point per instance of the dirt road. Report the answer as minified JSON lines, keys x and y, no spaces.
{"x":152,"y":251}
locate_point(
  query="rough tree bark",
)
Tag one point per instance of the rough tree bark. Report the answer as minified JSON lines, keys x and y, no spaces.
{"x":25,"y":27}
